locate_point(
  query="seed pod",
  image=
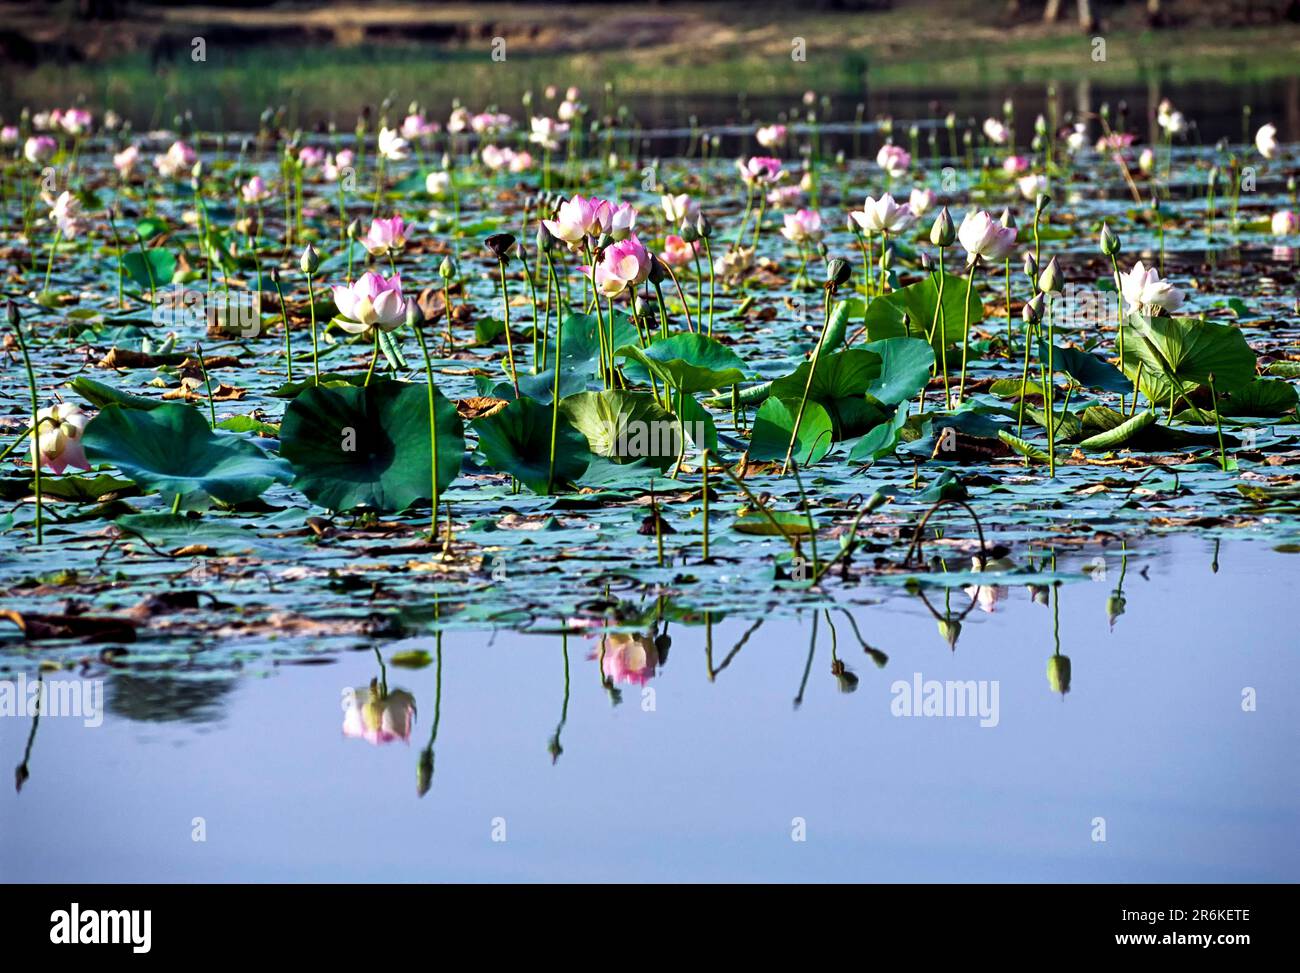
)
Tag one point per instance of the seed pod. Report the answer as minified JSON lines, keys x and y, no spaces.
{"x":500,"y":244}
{"x":838,"y":272}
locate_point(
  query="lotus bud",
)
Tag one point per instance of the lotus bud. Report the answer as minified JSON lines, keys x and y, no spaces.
{"x":1032,"y":312}
{"x":275,"y":275}
{"x":950,"y":121}
{"x":1058,"y":674}
{"x":1007,"y":219}
{"x":354,"y":228}
{"x":943,"y":233}
{"x":447,"y":269}
{"x":545,"y":239}
{"x":1110,"y":245}
{"x":424,"y":772}
{"x":687,"y":233}
{"x":1115,"y":606}
{"x":310,"y":260}
{"x":658,"y":273}
{"x":500,"y":244}
{"x":950,"y":629}
{"x":1040,"y":125}
{"x":1041,"y":202}
{"x":887,"y":257}
{"x":1050,"y":280}
{"x":1031,"y":265}
{"x":925,"y":262}
{"x":838,"y":273}
{"x":703,"y":227}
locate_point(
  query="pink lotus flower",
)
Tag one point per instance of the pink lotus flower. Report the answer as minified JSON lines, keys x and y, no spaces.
{"x":416,"y":126}
{"x":76,"y":121}
{"x":622,"y":265}
{"x":1115,"y":143}
{"x":392,"y":146}
{"x":546,"y":132}
{"x":39,"y":149}
{"x":995,"y":131}
{"x":678,"y":252}
{"x":336,"y":164}
{"x":621,"y":220}
{"x":126,"y":160}
{"x":1146,"y":293}
{"x":985,"y":237}
{"x":311,"y":157}
{"x":385,"y":235}
{"x":378,"y":718}
{"x":1285,"y":223}
{"x":782,"y":196}
{"x":58,"y":443}
{"x":627,"y":658}
{"x":576,"y":219}
{"x":65,"y":213}
{"x":1014,"y":165}
{"x":883,"y":215}
{"x":370,"y":302}
{"x":760,"y":170}
{"x":803,"y":226}
{"x":491,"y":123}
{"x":255,"y":190}
{"x":9,"y":135}
{"x":894,"y":160}
{"x":178,"y":161}
{"x":771,"y":136}
{"x":678,"y":209}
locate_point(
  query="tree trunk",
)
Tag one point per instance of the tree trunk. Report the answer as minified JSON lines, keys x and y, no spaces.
{"x":1085,"y":15}
{"x":1052,"y":12}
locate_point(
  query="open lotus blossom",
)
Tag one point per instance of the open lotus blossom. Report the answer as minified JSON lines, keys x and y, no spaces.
{"x":771,"y":136}
{"x":760,"y":170}
{"x":546,"y":132}
{"x":177,"y":161}
{"x":392,"y":146}
{"x":58,"y":444}
{"x":782,"y":196}
{"x":1077,"y":140}
{"x":627,"y":657}
{"x":385,"y":235}
{"x":1031,"y":184}
{"x":491,"y":123}
{"x":1170,"y":119}
{"x":1146,"y":293}
{"x":677,"y":251}
{"x":76,"y":121}
{"x":9,"y":135}
{"x":920,"y":201}
{"x":985,"y":237}
{"x":437,"y":182}
{"x":1014,"y":165}
{"x":894,"y":160}
{"x":125,"y":161}
{"x":415,"y":126}
{"x":678,"y":209}
{"x":65,"y":214}
{"x":1285,"y":223}
{"x":337,"y":164}
{"x":458,"y":121}
{"x":378,"y":718}
{"x":575,"y":220}
{"x":620,"y":219}
{"x":622,"y":265}
{"x":569,"y":110}
{"x":883,"y":215}
{"x":311,"y":157}
{"x":995,"y":131}
{"x":1115,"y":143}
{"x":987,"y":596}
{"x":1266,"y":140}
{"x":802,"y":226}
{"x":39,"y":148}
{"x":255,"y":190}
{"x":370,"y":302}
{"x":496,"y":158}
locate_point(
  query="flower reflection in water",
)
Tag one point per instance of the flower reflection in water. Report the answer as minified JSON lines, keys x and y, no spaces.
{"x":377,"y":715}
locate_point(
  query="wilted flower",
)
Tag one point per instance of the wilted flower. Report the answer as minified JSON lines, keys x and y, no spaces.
{"x":385,"y":235}
{"x":984,"y":237}
{"x":371,"y":301}
{"x":1146,"y":293}
{"x":883,"y":215}
{"x":58,"y":443}
{"x":730,"y":266}
{"x":894,"y":160}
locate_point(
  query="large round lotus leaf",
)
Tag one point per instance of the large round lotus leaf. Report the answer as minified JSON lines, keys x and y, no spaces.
{"x":171,"y":449}
{"x":370,"y":447}
{"x":905,"y":365}
{"x":775,"y":422}
{"x":624,"y":426}
{"x":1179,"y":354}
{"x":517,"y":440}
{"x":689,"y":362}
{"x":841,"y":375}
{"x":910,"y":312}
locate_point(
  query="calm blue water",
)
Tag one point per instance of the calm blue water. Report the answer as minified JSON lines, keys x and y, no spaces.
{"x":707,"y":784}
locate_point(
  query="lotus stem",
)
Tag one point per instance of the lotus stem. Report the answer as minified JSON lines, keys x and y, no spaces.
{"x":812,"y":370}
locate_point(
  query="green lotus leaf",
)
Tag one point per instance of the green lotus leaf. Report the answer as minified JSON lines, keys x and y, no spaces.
{"x":1180,"y":354}
{"x":370,"y":447}
{"x":624,"y":426}
{"x":517,"y":440}
{"x":775,"y":422}
{"x":1088,"y":370}
{"x":905,"y":365}
{"x":689,"y":362}
{"x":172,"y":450}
